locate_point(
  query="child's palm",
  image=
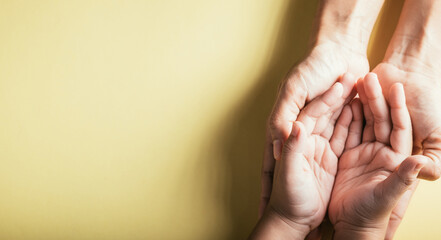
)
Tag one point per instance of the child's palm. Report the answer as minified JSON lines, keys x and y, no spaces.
{"x":306,"y":172}
{"x":361,"y":172}
{"x":372,"y":176}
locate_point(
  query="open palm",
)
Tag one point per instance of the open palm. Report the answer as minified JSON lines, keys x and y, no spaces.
{"x":309,"y":79}
{"x":305,"y":175}
{"x":372,"y":176}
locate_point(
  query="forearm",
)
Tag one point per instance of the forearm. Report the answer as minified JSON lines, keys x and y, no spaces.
{"x":415,"y":42}
{"x":272,"y":226}
{"x":345,"y":21}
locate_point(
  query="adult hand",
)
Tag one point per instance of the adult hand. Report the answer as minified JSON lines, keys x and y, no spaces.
{"x":423,"y":91}
{"x":412,"y":59}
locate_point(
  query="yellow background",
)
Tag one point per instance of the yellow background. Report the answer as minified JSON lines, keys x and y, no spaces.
{"x":145,"y":119}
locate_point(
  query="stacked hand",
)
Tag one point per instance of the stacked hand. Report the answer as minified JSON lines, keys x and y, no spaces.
{"x":361,"y":171}
{"x":374,"y":172}
{"x":327,"y":152}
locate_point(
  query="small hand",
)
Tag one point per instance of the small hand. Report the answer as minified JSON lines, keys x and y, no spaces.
{"x":374,"y":171}
{"x":304,"y":176}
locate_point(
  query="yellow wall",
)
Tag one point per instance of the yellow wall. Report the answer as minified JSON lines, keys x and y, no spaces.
{"x":145,"y":119}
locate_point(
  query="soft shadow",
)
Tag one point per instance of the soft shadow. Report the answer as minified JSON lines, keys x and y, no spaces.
{"x":242,"y":138}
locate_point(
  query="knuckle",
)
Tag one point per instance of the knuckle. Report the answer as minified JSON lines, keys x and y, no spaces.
{"x":436,"y":173}
{"x":275,"y":122}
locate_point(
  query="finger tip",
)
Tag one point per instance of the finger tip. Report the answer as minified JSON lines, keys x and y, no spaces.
{"x":397,"y":94}
{"x":347,"y":109}
{"x":370,"y":79}
{"x":356,"y":102}
{"x":277,"y":148}
{"x":295,"y":129}
{"x":348,"y":77}
{"x":397,"y":88}
{"x":360,"y":85}
{"x":371,"y":76}
{"x":338,"y":87}
{"x":300,"y":127}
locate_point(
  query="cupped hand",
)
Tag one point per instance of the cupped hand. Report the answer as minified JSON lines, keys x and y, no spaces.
{"x":325,"y":64}
{"x":375,"y":170}
{"x":304,"y":176}
{"x":423,"y":93}
{"x":422,"y":88}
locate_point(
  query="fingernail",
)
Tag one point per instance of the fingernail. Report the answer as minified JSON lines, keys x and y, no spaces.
{"x":277,"y":149}
{"x":339,"y":88}
{"x":372,"y":75}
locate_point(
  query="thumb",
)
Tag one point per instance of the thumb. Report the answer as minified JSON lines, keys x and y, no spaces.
{"x":296,"y":142}
{"x":401,"y":180}
{"x":280,"y":129}
{"x":291,"y":99}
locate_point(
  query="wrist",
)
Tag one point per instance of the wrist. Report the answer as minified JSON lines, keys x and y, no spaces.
{"x":347,"y":22}
{"x":273,"y":225}
{"x":415,"y":43}
{"x":344,"y":230}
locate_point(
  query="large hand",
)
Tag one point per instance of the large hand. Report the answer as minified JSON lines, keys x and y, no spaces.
{"x":423,"y":90}
{"x":372,"y":177}
{"x":316,"y":74}
{"x":423,"y":93}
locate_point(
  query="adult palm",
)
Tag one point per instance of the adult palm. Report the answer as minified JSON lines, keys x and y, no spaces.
{"x":422,"y":87}
{"x":423,"y":93}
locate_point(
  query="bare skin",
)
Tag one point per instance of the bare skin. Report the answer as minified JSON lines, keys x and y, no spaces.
{"x":412,"y":59}
{"x":339,"y":46}
{"x":370,"y":175}
{"x":304,"y":176}
{"x":376,"y":170}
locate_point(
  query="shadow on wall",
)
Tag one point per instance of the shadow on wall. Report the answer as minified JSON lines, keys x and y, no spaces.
{"x":242,"y":138}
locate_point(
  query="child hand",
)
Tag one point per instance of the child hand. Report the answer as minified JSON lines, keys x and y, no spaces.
{"x":304,"y":176}
{"x":374,"y":171}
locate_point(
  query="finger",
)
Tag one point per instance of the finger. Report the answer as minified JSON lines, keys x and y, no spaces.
{"x":349,"y":92}
{"x":348,"y":81}
{"x":356,"y":127}
{"x":432,"y":168}
{"x":393,"y":187}
{"x":398,"y":213}
{"x":320,"y":106}
{"x":338,"y":139}
{"x":368,"y":132}
{"x":329,"y":123}
{"x":296,"y":143}
{"x":401,"y":136}
{"x":279,"y":131}
{"x":267,"y":174}
{"x":324,"y":126}
{"x":290,"y":100}
{"x":379,"y":108}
